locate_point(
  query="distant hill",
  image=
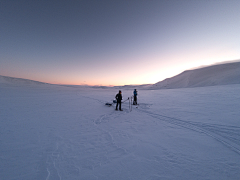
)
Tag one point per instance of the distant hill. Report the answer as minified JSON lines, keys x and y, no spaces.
{"x":222,"y":74}
{"x":18,"y":81}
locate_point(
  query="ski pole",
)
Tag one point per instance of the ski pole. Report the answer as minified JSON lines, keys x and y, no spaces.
{"x":125,"y":100}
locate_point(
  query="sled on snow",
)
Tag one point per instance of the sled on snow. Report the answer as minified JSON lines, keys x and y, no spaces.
{"x":110,"y":104}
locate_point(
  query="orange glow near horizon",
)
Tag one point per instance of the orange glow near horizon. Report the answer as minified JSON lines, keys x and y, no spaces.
{"x":130,"y":78}
{"x":139,"y":70}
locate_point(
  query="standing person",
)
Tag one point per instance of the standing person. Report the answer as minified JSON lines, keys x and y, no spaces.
{"x":135,"y":97}
{"x":119,"y":100}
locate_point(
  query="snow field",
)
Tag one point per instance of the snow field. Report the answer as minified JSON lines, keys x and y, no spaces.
{"x":54,"y":132}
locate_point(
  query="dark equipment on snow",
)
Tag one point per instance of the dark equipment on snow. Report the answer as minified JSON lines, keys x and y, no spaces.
{"x":110,"y":104}
{"x":114,"y":102}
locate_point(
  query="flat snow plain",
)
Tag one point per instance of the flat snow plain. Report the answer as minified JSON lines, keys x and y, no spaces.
{"x":54,"y":132}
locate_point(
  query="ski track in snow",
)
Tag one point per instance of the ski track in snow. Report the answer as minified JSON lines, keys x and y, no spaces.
{"x":52,"y":158}
{"x":222,"y":133}
{"x":229,"y":136}
{"x":112,"y":152}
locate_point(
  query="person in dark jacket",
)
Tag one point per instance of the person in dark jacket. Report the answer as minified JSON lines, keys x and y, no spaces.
{"x":135,"y":97}
{"x":119,"y":100}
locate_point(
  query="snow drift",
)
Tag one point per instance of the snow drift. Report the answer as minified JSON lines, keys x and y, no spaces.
{"x":222,"y":74}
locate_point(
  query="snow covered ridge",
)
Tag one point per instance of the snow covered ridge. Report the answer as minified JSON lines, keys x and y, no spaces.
{"x":19,"y":81}
{"x":222,"y":74}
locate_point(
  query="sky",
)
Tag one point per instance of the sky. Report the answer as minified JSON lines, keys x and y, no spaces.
{"x":121,"y":42}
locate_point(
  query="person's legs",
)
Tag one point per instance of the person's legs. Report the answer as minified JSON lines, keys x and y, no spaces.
{"x":117,"y":106}
{"x":120,"y":106}
{"x":134,"y":100}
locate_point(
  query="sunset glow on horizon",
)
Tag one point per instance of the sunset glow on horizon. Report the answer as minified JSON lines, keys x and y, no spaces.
{"x":115,"y":42}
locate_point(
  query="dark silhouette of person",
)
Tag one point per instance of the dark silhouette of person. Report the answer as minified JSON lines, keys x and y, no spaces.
{"x":135,"y":97}
{"x":119,"y":100}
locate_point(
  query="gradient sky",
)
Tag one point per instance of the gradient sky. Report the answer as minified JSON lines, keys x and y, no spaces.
{"x":115,"y":42}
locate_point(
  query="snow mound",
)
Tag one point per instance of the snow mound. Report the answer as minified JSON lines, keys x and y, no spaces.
{"x":222,"y":74}
{"x":5,"y":80}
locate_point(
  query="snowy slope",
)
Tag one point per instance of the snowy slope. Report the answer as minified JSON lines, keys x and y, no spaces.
{"x":56,"y":132}
{"x":6,"y":80}
{"x":222,"y":74}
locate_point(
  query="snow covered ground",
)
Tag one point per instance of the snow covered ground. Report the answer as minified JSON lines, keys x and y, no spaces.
{"x":54,"y":132}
